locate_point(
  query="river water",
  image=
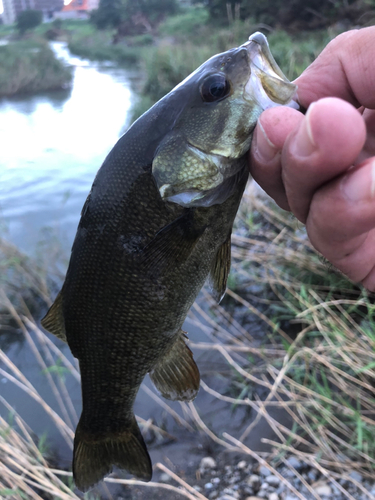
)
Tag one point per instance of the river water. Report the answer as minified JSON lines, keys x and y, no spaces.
{"x":51,"y":146}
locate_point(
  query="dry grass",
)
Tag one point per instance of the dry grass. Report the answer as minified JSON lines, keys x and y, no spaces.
{"x":314,"y":361}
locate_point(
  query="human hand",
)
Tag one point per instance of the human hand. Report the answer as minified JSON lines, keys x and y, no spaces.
{"x":321,"y":166}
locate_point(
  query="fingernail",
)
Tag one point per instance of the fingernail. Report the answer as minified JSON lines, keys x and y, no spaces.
{"x":360,"y":185}
{"x":264,"y":149}
{"x":304,"y":144}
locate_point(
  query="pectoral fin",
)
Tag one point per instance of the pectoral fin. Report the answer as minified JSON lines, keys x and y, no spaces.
{"x":176,"y":375}
{"x":173,"y":244}
{"x":53,"y":321}
{"x":220,"y":271}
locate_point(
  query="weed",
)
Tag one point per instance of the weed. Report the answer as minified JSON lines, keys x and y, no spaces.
{"x":183,"y":25}
{"x":30,"y":66}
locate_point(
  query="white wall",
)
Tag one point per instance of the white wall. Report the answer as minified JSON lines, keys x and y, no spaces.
{"x":9,"y":14}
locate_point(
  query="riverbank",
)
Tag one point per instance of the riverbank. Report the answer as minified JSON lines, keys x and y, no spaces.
{"x":171,"y":53}
{"x":30,"y":66}
{"x":164,"y":56}
{"x":286,"y":361}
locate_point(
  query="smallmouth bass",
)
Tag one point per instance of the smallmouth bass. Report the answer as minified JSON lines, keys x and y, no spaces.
{"x":156,"y":224}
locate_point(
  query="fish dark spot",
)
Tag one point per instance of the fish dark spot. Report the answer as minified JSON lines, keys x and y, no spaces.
{"x":160,"y":291}
{"x":131,"y":243}
{"x":156,"y":290}
{"x":100,"y":228}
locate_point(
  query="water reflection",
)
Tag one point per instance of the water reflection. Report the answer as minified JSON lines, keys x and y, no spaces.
{"x":51,"y":146}
{"x":53,"y":143}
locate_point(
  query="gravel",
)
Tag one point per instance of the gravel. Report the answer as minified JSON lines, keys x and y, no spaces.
{"x":207,"y":463}
{"x":247,"y":480}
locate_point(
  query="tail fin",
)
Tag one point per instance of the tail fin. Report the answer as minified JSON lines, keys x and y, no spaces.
{"x":93,"y":458}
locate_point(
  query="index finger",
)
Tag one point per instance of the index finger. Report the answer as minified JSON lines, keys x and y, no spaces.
{"x":345,"y":69}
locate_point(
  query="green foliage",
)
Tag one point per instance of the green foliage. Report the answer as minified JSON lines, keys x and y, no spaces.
{"x":300,"y":14}
{"x":169,"y":64}
{"x":152,"y":9}
{"x":30,"y":67}
{"x":113,"y":13}
{"x":59,"y":369}
{"x":186,"y":23}
{"x":108,"y":14}
{"x":43,"y":446}
{"x":98,"y":46}
{"x":5,"y":29}
{"x":328,"y":327}
{"x":142,"y":40}
{"x":218,"y":9}
{"x":294,"y":54}
{"x":57,"y":23}
{"x":10,"y":493}
{"x":29,"y":19}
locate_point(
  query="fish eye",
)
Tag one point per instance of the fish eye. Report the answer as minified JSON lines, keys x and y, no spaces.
{"x":214,"y":88}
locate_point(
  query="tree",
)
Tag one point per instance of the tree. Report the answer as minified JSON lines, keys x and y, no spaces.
{"x":109,"y":14}
{"x":29,"y":19}
{"x":153,"y":9}
{"x":113,"y":13}
{"x":297,"y":14}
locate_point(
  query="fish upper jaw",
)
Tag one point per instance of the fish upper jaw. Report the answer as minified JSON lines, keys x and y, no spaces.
{"x":267,"y":85}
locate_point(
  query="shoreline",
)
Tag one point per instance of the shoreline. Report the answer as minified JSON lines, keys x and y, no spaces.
{"x":30,"y":67}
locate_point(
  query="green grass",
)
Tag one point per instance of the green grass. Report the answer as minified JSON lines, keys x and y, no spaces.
{"x":98,"y":46}
{"x":6,"y":30}
{"x":324,"y":324}
{"x":29,"y":66}
{"x":170,"y":62}
{"x":316,"y":355}
{"x":186,"y":23}
{"x":295,"y":53}
{"x":167,"y":57}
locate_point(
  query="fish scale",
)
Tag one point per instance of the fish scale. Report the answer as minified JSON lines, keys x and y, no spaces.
{"x":155,"y":225}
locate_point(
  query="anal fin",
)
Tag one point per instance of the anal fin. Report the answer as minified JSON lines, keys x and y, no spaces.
{"x":93,"y":457}
{"x":220,"y":270}
{"x":53,"y":321}
{"x":176,"y":376}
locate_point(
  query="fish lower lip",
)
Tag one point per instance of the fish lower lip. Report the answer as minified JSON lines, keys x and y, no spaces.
{"x":267,"y":84}
{"x":258,"y":38}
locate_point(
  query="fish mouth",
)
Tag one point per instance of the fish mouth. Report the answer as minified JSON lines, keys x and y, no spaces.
{"x":267,"y":83}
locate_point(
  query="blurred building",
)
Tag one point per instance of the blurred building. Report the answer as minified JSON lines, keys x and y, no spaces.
{"x":50,"y":8}
{"x":78,"y":9}
{"x":9,"y":13}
